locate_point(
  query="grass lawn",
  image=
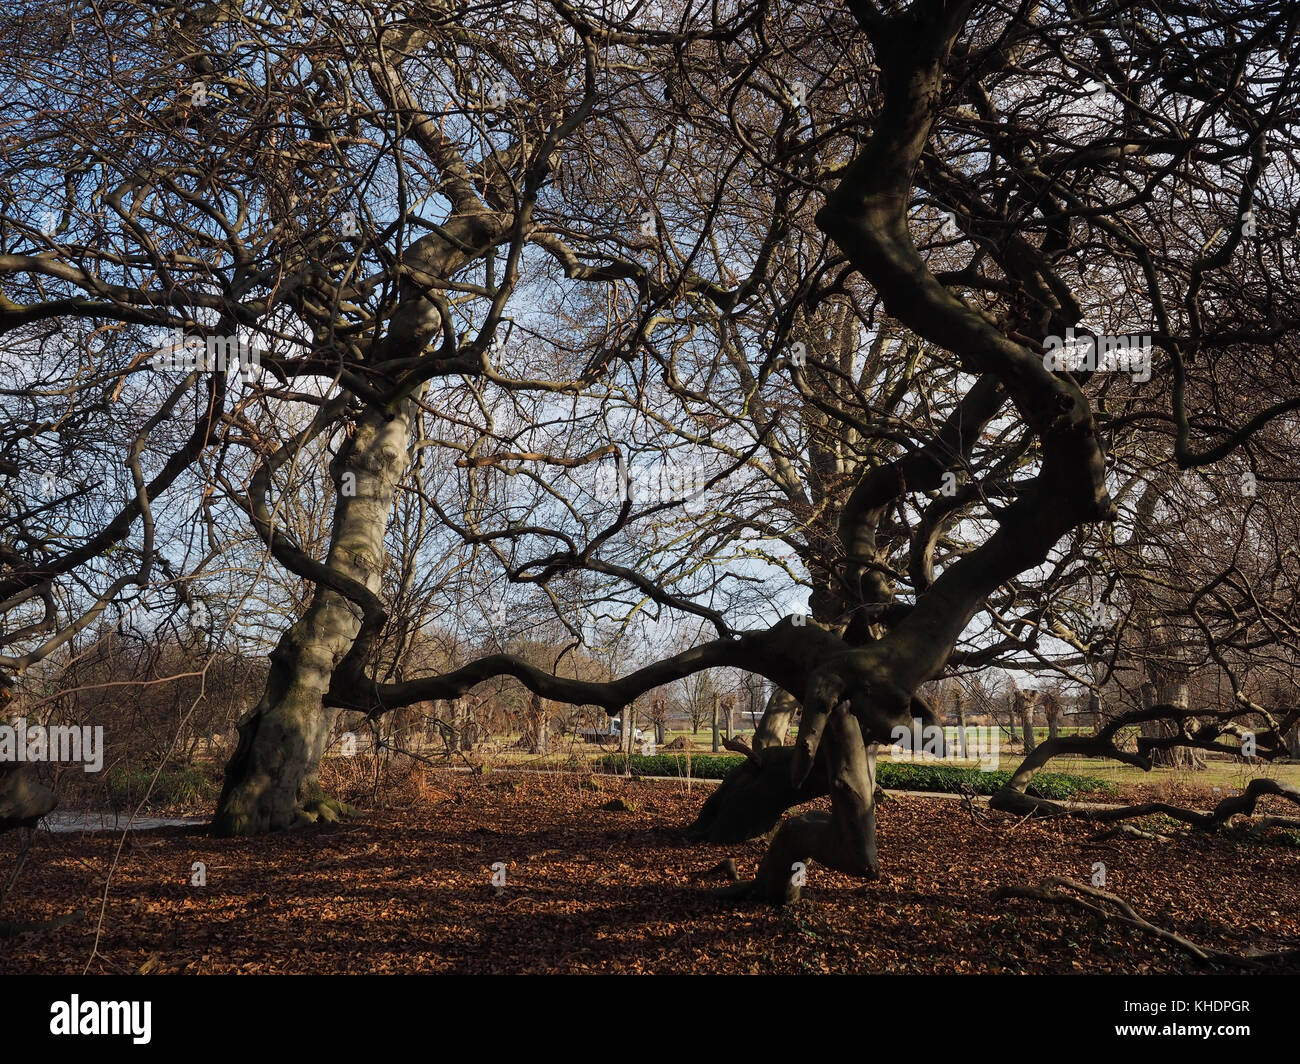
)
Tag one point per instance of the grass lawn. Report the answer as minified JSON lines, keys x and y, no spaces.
{"x":1224,"y":774}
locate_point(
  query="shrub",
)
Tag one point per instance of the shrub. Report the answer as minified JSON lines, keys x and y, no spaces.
{"x":176,"y":786}
{"x":950,"y":779}
{"x":703,"y":766}
{"x":947,"y":779}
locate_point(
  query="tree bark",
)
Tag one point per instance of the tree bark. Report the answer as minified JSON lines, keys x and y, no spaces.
{"x":775,"y":725}
{"x":468,"y":727}
{"x":757,"y":792}
{"x":752,"y":799}
{"x":716,"y":699}
{"x":23,"y":800}
{"x":628,"y":717}
{"x":1170,"y":690}
{"x":1025,"y":702}
{"x":845,"y":838}
{"x":272,"y":780}
{"x":538,"y":725}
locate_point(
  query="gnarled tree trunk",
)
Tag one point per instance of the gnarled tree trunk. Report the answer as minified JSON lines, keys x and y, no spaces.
{"x":1172,"y":690}
{"x":756,"y":793}
{"x":843,"y":839}
{"x":272,"y":780}
{"x":752,"y":799}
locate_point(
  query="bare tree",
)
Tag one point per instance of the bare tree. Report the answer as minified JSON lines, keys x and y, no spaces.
{"x":831,"y":262}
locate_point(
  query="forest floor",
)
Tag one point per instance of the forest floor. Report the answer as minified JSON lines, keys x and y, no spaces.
{"x":603,"y":890}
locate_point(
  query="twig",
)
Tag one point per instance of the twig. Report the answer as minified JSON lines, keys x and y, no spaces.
{"x":20,"y":859}
{"x":967,"y":793}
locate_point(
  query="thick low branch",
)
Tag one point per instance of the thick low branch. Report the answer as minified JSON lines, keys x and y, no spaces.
{"x":1233,"y":805}
{"x":785,"y":654}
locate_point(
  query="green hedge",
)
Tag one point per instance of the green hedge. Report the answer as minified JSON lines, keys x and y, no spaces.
{"x":948,"y":779}
{"x":703,"y":766}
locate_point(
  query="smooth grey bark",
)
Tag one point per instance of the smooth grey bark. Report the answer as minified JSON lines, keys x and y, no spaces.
{"x":843,"y":839}
{"x":752,"y":799}
{"x":272,"y":779}
{"x":775,"y":725}
{"x":23,"y":799}
{"x":1025,"y":702}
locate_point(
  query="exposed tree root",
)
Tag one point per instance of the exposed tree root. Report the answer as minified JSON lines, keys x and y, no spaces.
{"x":1130,"y":831}
{"x":9,"y":929}
{"x":1056,"y":890}
{"x":1268,"y":823}
{"x":725,"y":867}
{"x":323,"y":810}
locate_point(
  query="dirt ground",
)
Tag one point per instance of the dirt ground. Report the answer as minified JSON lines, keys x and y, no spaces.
{"x":593,"y":890}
